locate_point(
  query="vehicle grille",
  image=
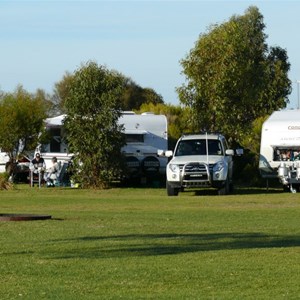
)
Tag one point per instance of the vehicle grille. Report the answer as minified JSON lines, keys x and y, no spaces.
{"x":210,"y":166}
{"x":195,"y":174}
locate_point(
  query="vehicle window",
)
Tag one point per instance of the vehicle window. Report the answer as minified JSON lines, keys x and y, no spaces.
{"x":214,"y":147}
{"x":198,"y":147}
{"x":225,"y":144}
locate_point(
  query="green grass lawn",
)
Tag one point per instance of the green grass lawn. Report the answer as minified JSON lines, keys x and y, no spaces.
{"x":140,"y":244}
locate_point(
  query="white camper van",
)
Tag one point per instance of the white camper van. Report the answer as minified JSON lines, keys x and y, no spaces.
{"x":280,"y":148}
{"x":145,"y":134}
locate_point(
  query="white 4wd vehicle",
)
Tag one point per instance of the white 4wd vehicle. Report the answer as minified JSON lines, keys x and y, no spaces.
{"x":200,"y":160}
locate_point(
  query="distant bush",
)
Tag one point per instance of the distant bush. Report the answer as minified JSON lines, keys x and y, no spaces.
{"x":5,"y":184}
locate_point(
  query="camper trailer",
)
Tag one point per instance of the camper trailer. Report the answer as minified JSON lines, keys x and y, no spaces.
{"x":145,"y":134}
{"x":57,"y":145}
{"x":280,"y":148}
{"x":3,"y":161}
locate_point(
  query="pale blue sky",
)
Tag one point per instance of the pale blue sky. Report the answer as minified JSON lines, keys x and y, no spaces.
{"x":144,"y":40}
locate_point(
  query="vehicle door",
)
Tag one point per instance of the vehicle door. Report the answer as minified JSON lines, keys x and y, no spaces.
{"x":228,"y":158}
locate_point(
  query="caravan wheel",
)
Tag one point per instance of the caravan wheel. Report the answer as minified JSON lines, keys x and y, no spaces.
{"x":150,"y":166}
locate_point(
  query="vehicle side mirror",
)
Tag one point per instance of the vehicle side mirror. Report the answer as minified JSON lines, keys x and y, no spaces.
{"x":229,"y":152}
{"x":239,"y":152}
{"x":160,"y":152}
{"x":167,"y":153}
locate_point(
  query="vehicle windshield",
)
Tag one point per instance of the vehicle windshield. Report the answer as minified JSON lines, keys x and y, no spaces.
{"x":198,"y":147}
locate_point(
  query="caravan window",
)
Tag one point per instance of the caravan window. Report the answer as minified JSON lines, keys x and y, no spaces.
{"x":286,"y":154}
{"x":134,"y":138}
{"x":55,"y":141}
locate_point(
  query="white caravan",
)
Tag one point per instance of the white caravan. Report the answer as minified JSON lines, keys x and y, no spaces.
{"x":280,"y":148}
{"x":145,"y":134}
{"x":4,"y":159}
{"x":57,"y":145}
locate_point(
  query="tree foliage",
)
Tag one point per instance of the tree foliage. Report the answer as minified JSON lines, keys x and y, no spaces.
{"x":252,"y":140}
{"x":61,"y":90}
{"x":233,"y":77}
{"x":94,"y":135}
{"x":21,"y":121}
{"x":133,"y":95}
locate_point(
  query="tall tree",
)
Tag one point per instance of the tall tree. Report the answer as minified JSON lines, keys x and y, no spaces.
{"x":233,"y":77}
{"x":61,"y":90}
{"x":133,"y":95}
{"x":94,"y":135}
{"x":21,"y":121}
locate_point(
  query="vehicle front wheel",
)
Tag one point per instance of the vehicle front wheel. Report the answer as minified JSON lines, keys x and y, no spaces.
{"x":171,"y":191}
{"x":225,"y":189}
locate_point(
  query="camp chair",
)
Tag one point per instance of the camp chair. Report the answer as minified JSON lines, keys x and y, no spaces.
{"x":36,"y":178}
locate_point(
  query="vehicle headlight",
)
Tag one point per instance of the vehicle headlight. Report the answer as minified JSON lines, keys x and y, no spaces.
{"x":218,"y":166}
{"x":174,"y":168}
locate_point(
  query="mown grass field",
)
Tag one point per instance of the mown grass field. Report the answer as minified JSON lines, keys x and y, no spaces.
{"x":140,"y":244}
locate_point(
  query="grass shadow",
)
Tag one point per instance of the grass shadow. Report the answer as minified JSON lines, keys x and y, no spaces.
{"x":169,"y":244}
{"x":237,"y":191}
{"x":256,"y":190}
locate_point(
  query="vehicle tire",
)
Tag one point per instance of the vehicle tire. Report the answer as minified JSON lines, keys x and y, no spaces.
{"x":171,"y":191}
{"x":225,"y":189}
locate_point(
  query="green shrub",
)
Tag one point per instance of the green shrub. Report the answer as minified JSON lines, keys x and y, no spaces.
{"x":246,"y":172}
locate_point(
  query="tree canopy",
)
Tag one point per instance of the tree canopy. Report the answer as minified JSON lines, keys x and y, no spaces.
{"x":21,"y":121}
{"x":132,"y":97}
{"x":233,"y":77}
{"x":94,"y":135}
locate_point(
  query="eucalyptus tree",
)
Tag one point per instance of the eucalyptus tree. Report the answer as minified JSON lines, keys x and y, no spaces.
{"x":22,"y":118}
{"x":133,"y":95}
{"x":93,"y":133}
{"x":234,"y":77}
{"x":61,"y":90}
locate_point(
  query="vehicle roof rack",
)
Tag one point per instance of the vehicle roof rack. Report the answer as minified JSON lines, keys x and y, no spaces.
{"x":201,"y":132}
